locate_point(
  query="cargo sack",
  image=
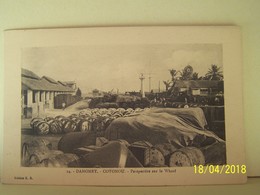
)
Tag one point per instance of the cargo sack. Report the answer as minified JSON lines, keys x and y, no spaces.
{"x":71,"y":141}
{"x":85,"y":150}
{"x":61,"y":161}
{"x":215,"y":154}
{"x":40,"y":156}
{"x":112,"y":155}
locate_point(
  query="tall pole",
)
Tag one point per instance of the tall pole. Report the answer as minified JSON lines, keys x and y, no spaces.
{"x":159,"y":86}
{"x":150,"y":82}
{"x":142,"y":84}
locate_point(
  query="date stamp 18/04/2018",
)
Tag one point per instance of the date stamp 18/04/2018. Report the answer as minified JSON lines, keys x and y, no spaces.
{"x":220,"y":169}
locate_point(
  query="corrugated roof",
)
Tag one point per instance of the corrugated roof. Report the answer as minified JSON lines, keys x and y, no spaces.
{"x":50,"y":80}
{"x":29,"y":74}
{"x":68,"y":82}
{"x":43,"y":85}
{"x":56,"y":86}
{"x":197,"y":84}
{"x":62,"y":83}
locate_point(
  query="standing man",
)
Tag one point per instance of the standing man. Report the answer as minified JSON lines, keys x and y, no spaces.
{"x":63,"y":105}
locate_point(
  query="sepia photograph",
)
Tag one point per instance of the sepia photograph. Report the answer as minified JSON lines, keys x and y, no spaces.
{"x":152,"y":105}
{"x":123,"y":106}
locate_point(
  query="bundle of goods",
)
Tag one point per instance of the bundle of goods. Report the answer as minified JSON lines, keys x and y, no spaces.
{"x":120,"y":153}
{"x":36,"y":151}
{"x":29,"y":148}
{"x":69,"y":142}
{"x":179,"y":134}
{"x":95,"y":152}
{"x":40,"y":126}
{"x":147,"y":155}
{"x":57,"y":125}
{"x":40,"y":153}
{"x":154,"y":137}
{"x":112,"y":155}
{"x":87,"y":120}
{"x":100,"y":152}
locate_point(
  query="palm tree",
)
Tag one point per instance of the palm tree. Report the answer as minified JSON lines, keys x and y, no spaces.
{"x":195,"y":76}
{"x":167,"y":84}
{"x":173,"y":73}
{"x":186,"y":73}
{"x":214,"y":73}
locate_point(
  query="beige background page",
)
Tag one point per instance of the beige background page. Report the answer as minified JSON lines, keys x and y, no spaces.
{"x":228,"y":37}
{"x":65,"y":13}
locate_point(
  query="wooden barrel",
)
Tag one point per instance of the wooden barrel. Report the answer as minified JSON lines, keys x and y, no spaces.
{"x":41,"y":128}
{"x":69,"y":142}
{"x":186,"y":157}
{"x":64,"y":120}
{"x":59,"y":117}
{"x":40,"y":155}
{"x":34,"y":120}
{"x":155,"y":158}
{"x":165,"y":148}
{"x":49,"y":119}
{"x":77,"y":120}
{"x":63,"y":160}
{"x":69,"y":126}
{"x":147,"y":155}
{"x":55,"y":127}
{"x":84,"y":125}
{"x":72,"y":116}
{"x":91,"y":121}
{"x":98,"y":124}
{"x":29,"y":148}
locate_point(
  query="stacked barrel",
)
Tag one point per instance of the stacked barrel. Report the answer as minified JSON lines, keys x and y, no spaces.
{"x":97,"y":119}
{"x":86,"y":146}
{"x":80,"y":149}
{"x":40,"y":153}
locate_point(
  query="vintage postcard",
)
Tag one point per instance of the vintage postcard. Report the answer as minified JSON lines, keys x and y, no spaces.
{"x":124,"y":106}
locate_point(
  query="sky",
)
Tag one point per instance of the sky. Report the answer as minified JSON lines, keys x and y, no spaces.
{"x":118,"y":67}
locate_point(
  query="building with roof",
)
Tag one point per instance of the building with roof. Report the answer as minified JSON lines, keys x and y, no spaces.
{"x":38,"y":93}
{"x":71,"y":84}
{"x":199,"y":87}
